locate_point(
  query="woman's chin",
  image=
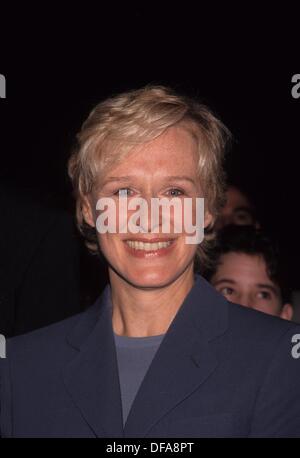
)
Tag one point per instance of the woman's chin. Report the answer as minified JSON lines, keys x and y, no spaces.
{"x":152,"y":279}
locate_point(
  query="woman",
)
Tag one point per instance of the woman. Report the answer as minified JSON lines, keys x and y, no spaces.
{"x":161,"y":353}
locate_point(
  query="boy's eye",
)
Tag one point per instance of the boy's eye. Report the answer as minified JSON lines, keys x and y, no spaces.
{"x":243,"y":217}
{"x":226,"y":291}
{"x":263,"y":295}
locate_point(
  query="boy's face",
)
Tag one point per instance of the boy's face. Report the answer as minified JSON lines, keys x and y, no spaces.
{"x":243,"y":279}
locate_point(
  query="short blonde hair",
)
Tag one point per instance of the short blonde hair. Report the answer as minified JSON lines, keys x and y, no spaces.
{"x":118,"y":123}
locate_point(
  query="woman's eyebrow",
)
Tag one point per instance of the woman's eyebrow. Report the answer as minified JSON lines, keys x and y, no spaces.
{"x":180,"y":178}
{"x":167,"y":178}
{"x":112,"y":179}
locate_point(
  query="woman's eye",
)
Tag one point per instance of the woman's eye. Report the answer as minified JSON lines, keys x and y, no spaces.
{"x":122,"y":192}
{"x":226,"y":291}
{"x":175,"y":192}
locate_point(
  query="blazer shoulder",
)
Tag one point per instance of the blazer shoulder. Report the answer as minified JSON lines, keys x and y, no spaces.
{"x":50,"y":340}
{"x":258,"y":326}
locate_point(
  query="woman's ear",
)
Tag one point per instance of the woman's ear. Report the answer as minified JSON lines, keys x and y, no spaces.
{"x":286,"y":312}
{"x":208,"y":219}
{"x":87,"y":210}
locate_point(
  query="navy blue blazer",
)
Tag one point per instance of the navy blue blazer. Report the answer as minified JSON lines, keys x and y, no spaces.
{"x":222,"y":370}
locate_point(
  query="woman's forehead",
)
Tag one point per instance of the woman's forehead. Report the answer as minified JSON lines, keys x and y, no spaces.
{"x":171,"y":151}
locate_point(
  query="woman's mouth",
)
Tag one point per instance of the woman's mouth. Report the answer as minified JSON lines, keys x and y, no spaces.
{"x":147,"y":249}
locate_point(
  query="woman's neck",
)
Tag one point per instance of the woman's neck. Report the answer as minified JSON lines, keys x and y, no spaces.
{"x":141,"y":312}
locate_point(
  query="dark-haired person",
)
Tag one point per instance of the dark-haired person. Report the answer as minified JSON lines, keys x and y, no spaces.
{"x":39,"y":262}
{"x":161,"y":353}
{"x":238,"y":209}
{"x":247,"y":271}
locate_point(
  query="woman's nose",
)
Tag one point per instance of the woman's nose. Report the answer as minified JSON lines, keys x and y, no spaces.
{"x":150,"y":222}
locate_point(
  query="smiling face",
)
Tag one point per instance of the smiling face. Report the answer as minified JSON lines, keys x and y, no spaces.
{"x":164,"y":167}
{"x":243,"y":279}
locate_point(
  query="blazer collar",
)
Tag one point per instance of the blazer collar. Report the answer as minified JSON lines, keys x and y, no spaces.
{"x":187,"y":356}
{"x":187,"y":348}
{"x":91,"y":378}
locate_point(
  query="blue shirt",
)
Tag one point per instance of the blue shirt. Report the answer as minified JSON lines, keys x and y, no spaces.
{"x":134,"y":355}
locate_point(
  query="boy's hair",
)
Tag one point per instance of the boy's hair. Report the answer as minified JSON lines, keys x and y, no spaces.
{"x":254,"y":242}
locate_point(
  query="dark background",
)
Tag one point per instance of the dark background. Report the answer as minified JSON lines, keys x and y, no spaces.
{"x":238,"y":60}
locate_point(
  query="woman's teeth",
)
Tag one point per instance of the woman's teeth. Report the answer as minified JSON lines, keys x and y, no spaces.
{"x":148,"y":246}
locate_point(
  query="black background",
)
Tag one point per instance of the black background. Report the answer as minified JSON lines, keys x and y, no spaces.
{"x":238,"y":59}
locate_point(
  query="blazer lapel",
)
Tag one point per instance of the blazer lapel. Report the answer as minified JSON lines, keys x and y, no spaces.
{"x":185,"y":359}
{"x":91,"y":378}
